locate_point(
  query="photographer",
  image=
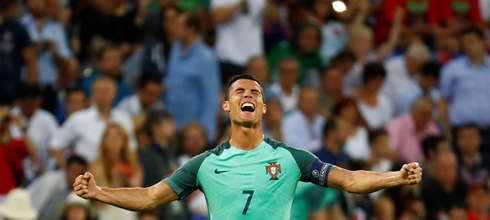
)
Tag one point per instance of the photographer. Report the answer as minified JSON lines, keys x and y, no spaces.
{"x":12,"y":151}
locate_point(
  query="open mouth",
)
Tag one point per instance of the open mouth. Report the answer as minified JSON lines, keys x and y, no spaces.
{"x":247,"y":107}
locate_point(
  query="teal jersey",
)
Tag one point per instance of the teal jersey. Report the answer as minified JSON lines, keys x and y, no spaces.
{"x":239,"y":184}
{"x":311,"y":198}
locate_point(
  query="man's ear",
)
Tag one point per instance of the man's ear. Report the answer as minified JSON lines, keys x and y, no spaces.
{"x":265,"y":109}
{"x":226,"y":106}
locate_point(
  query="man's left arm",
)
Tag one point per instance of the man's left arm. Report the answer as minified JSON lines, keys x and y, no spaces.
{"x":366,"y":181}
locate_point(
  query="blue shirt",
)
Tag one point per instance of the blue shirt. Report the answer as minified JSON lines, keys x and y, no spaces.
{"x":51,"y":31}
{"x":13,"y":39}
{"x":325,"y":155}
{"x":405,"y":99}
{"x":467,"y":88}
{"x":193,"y":86}
{"x":123,"y":89}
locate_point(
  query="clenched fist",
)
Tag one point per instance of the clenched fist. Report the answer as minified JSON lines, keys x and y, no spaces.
{"x":85,"y":186}
{"x":411,"y":173}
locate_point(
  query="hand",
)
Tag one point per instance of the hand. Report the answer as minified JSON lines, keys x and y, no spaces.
{"x":85,"y":186}
{"x":411,"y":174}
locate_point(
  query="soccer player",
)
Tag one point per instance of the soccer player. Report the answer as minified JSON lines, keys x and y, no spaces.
{"x":250,"y":176}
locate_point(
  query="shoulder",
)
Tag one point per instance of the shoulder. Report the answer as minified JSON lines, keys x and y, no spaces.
{"x":455,"y":63}
{"x":47,"y":117}
{"x":206,"y":52}
{"x":121,"y":115}
{"x":295,"y":152}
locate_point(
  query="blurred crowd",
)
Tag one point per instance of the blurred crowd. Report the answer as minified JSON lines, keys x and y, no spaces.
{"x":130,"y":90}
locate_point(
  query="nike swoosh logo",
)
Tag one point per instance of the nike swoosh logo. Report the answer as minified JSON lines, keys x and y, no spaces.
{"x":222,"y":171}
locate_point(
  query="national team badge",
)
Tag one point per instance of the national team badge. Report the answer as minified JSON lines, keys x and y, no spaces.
{"x":273,"y":169}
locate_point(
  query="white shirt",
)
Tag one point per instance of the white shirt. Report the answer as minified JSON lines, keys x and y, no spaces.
{"x":357,"y":146}
{"x":44,"y":187}
{"x":240,"y":38}
{"x":85,"y":128}
{"x":41,"y":127}
{"x":379,"y":115}
{"x":397,"y":77}
{"x":132,"y":105}
{"x":288,"y":102}
{"x":298,"y":132}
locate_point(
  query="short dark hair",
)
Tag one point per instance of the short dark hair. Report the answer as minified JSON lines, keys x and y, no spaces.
{"x":328,"y":127}
{"x":372,"y":71}
{"x":431,"y":69}
{"x":75,"y":90}
{"x":344,"y":56}
{"x":76,"y":159}
{"x":239,"y":77}
{"x":146,"y":79}
{"x":104,"y":49}
{"x":155,"y":117}
{"x":30,"y":90}
{"x":467,"y":126}
{"x":430,"y":143}
{"x":193,"y":21}
{"x":374,"y":134}
{"x":472,"y":30}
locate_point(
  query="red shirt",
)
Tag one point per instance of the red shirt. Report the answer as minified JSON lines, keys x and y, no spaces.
{"x":11,"y":156}
{"x":473,"y":216}
{"x":462,"y":10}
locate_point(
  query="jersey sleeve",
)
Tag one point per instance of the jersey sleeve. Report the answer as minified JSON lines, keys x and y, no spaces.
{"x":184,"y":181}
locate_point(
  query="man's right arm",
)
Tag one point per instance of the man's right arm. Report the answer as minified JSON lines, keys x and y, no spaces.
{"x":134,"y":199}
{"x":223,"y":14}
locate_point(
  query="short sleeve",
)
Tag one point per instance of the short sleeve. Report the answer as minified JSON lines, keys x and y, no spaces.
{"x":23,"y":40}
{"x":184,"y":181}
{"x":304,"y":159}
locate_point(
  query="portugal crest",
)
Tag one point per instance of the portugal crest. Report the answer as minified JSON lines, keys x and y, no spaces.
{"x":273,"y":169}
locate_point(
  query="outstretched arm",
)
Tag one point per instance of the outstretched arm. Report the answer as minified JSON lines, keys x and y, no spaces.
{"x":127,"y":198}
{"x":367,"y":182}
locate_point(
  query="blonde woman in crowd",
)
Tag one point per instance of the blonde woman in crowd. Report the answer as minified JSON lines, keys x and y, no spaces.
{"x":116,"y":167}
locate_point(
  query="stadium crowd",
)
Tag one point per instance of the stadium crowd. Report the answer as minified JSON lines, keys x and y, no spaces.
{"x":130,"y":90}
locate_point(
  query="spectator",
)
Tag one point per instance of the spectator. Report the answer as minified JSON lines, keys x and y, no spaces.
{"x":474,"y":167}
{"x":380,"y":160}
{"x":287,"y":89}
{"x":74,"y":100}
{"x":333,"y":32}
{"x":193,"y":81}
{"x":401,"y":202}
{"x":334,"y":137}
{"x":407,"y":131}
{"x":478,"y":200}
{"x":303,"y":47}
{"x":41,"y":127}
{"x":53,"y":51}
{"x":303,"y":127}
{"x":76,"y":208}
{"x":109,"y":63}
{"x":375,"y":107}
{"x":194,"y":143}
{"x":330,"y":90}
{"x":357,"y":144}
{"x":464,"y":87}
{"x":272,"y":120}
{"x":18,"y":206}
{"x":259,"y":68}
{"x":344,"y":62}
{"x":458,"y":211}
{"x":52,"y":188}
{"x":159,"y":158}
{"x":402,"y":70}
{"x":238,"y":33}
{"x":433,"y":146}
{"x":116,"y":166}
{"x":12,"y":152}
{"x":152,"y":58}
{"x":84,"y":129}
{"x":443,"y":188}
{"x":425,"y":85}
{"x":146,"y":98}
{"x":18,"y":52}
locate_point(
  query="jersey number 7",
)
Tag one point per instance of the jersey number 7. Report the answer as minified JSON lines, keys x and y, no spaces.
{"x":249,"y":199}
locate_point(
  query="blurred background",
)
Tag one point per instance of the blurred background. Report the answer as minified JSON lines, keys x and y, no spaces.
{"x":132,"y":89}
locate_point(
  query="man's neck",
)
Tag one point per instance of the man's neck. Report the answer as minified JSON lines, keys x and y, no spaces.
{"x":286,"y":89}
{"x":161,"y":142}
{"x":477,"y":58}
{"x":105,"y":112}
{"x":309,"y":117}
{"x":470,"y":159}
{"x":5,"y":137}
{"x":188,"y":42}
{"x":333,"y":147}
{"x":246,"y":138}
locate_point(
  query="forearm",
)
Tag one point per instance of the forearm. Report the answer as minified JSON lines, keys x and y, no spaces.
{"x":31,"y":147}
{"x":134,"y":199}
{"x":31,"y":63}
{"x":223,"y":14}
{"x":58,"y":155}
{"x":362,"y":181}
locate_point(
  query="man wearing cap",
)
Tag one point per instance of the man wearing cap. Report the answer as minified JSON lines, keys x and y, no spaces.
{"x":18,"y":206}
